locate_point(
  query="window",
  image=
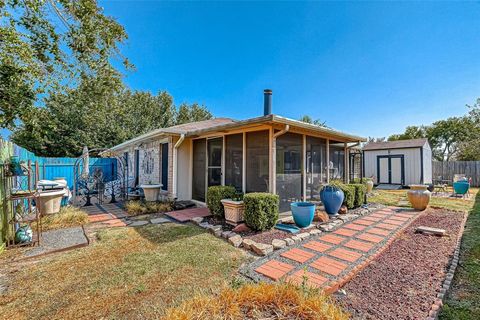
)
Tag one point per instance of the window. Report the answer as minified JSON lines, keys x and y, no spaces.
{"x":337,"y":163}
{"x":316,"y":167}
{"x":233,"y":160}
{"x":199,"y":169}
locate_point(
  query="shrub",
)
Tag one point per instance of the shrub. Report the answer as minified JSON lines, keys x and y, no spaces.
{"x":215,"y":195}
{"x":349,"y":193}
{"x":261,"y":210}
{"x":360,"y":190}
{"x":136,"y":207}
{"x":260,"y":301}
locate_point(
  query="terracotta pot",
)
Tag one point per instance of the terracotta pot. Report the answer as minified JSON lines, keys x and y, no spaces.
{"x":49,"y":202}
{"x":369,"y":184}
{"x":233,"y":211}
{"x":419,"y":196}
{"x":151,"y":191}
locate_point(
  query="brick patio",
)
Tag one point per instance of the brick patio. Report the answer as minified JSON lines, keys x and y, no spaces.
{"x":329,"y":260}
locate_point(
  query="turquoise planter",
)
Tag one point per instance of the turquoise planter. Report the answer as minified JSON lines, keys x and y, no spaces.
{"x":332,"y":199}
{"x":303,"y":213}
{"x":461,"y":187}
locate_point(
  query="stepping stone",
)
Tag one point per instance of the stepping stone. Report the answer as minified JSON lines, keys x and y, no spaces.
{"x":317,"y":246}
{"x":331,"y":238}
{"x":359,"y":245}
{"x":138,"y":223}
{"x":160,"y":220}
{"x":311,"y":279}
{"x":344,"y":254}
{"x":298,"y":255}
{"x":274,"y":269}
{"x":328,"y":265}
{"x":429,"y":230}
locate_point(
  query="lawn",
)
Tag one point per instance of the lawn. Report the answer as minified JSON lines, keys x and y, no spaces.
{"x":463,"y":301}
{"x":128,"y":273}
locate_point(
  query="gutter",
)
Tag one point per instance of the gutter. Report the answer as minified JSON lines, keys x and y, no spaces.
{"x":174,"y":164}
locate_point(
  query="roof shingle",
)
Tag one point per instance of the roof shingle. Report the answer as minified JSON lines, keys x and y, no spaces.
{"x":399,"y":144}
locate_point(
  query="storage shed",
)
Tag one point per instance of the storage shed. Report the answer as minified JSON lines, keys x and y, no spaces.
{"x":401,"y":162}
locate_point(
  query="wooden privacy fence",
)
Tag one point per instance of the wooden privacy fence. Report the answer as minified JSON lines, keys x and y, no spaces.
{"x":447,"y":169}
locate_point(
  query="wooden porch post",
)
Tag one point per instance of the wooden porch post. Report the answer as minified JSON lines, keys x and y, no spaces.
{"x":328,"y":161}
{"x":346,"y":167}
{"x":272,"y":162}
{"x":244,"y":163}
{"x":304,"y":168}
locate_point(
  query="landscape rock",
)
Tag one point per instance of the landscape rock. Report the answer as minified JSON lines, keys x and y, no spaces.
{"x":160,"y":220}
{"x":236,"y":241}
{"x":217,"y":233}
{"x":296,"y":238}
{"x":321,"y":216}
{"x":303,"y":235}
{"x":278,"y":244}
{"x":261,"y":248}
{"x":138,"y":223}
{"x":226,"y":234}
{"x":289,"y":241}
{"x":242,"y":227}
{"x":247,"y":243}
{"x":197,"y":220}
{"x":315,"y":232}
{"x":204,"y":225}
{"x":215,"y":228}
{"x":343,"y":209}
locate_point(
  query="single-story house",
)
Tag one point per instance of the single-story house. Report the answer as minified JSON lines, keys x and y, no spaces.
{"x":269,"y":153}
{"x":401,"y":162}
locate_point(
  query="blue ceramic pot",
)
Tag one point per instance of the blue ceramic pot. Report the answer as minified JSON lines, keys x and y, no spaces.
{"x":332,"y":199}
{"x":461,"y":187}
{"x":302,"y":213}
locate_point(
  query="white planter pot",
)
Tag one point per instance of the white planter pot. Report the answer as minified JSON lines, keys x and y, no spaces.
{"x":151,"y":191}
{"x":49,"y":202}
{"x":233,"y":211}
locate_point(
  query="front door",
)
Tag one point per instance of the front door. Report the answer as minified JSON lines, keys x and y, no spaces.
{"x":214,"y":161}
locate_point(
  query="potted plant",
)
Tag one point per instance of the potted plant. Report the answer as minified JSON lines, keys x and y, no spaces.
{"x":234,"y":209}
{"x":151,"y":191}
{"x":332,"y":198}
{"x":303,"y":213}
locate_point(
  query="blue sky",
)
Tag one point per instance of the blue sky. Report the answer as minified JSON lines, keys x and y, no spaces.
{"x":366,"y":68}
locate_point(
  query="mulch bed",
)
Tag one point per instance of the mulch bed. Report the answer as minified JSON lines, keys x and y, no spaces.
{"x":402,"y":283}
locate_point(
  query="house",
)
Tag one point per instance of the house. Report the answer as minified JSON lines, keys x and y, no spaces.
{"x":402,"y":162}
{"x":269,"y":153}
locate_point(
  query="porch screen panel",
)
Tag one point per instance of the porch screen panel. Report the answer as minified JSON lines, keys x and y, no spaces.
{"x":257,"y":161}
{"x":316,"y":167}
{"x":199,"y":169}
{"x":337,"y":163}
{"x":233,"y":160}
{"x":289,"y":169}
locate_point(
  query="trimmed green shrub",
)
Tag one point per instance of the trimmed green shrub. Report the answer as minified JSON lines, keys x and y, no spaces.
{"x":261,"y":210}
{"x":360,"y":190}
{"x":349,"y":192}
{"x":215,"y":195}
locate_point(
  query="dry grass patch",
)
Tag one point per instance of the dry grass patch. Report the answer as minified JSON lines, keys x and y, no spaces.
{"x":135,"y":207}
{"x":261,"y":301}
{"x":129,"y":273}
{"x":67,"y":217}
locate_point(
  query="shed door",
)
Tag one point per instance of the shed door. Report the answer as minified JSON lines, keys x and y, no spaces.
{"x":396,"y":170}
{"x":383,"y":170}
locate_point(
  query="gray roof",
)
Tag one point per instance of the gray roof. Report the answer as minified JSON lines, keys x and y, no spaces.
{"x":219,"y":124}
{"x":398,"y":144}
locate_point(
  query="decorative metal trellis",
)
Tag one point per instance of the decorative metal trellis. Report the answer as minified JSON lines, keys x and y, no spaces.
{"x":95,"y":182}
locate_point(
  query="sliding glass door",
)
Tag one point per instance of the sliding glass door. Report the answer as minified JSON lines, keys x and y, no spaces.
{"x":199,"y":169}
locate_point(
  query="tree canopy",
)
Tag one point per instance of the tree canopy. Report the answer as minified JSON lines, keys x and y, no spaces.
{"x":59,"y":89}
{"x":455,"y":138}
{"x":317,"y":122}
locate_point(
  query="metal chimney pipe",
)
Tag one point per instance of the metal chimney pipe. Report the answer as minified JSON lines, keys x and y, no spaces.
{"x":267,"y":102}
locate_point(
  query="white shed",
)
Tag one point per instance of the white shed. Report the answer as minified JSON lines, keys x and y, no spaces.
{"x":401,"y":162}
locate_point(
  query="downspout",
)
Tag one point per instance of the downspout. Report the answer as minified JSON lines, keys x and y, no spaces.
{"x":174,"y":164}
{"x":273,"y":169}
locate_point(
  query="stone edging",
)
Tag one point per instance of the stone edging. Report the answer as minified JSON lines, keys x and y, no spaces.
{"x":263,"y":249}
{"x":445,"y":287}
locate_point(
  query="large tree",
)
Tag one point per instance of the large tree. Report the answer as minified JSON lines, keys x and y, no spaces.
{"x":310,"y":120}
{"x":49,"y":46}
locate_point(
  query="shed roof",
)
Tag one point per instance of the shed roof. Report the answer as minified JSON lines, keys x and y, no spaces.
{"x":398,"y":144}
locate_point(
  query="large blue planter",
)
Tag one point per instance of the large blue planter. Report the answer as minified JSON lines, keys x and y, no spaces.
{"x":332,"y":199}
{"x":303,"y":213}
{"x":461,"y":187}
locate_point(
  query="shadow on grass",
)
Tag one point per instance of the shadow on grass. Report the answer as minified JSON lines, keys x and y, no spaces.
{"x":168,"y":232}
{"x":463,"y":300}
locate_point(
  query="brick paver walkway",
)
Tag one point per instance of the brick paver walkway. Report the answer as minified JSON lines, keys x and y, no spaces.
{"x":331,"y":259}
{"x":187,"y":214}
{"x":110,"y":214}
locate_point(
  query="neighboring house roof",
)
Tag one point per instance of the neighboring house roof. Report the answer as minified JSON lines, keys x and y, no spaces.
{"x":399,"y":144}
{"x":220,"y":124}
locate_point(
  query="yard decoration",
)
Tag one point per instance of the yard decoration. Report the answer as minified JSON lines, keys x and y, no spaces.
{"x":332,"y":198}
{"x":303,"y":213}
{"x":369,"y":185}
{"x":215,"y":195}
{"x":461,"y":187}
{"x":49,"y":201}
{"x":261,"y":210}
{"x":233,"y":211}
{"x":419,"y":196}
{"x":151,"y":191}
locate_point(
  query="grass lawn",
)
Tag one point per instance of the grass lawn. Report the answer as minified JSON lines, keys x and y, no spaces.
{"x":129,"y":273}
{"x":463,"y":301}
